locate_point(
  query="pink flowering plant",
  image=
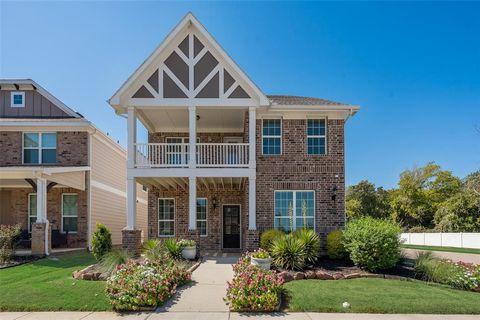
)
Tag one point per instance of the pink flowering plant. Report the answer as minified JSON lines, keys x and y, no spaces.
{"x":136,"y":285}
{"x":252,"y":288}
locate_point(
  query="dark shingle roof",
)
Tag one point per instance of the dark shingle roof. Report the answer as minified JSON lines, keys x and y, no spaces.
{"x":295,"y":100}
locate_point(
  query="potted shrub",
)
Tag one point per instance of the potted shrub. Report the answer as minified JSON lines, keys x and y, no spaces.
{"x":189,"y":249}
{"x":261,"y":258}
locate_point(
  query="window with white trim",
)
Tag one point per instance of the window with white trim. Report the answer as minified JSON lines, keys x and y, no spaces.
{"x":202,"y":208}
{"x":39,"y":147}
{"x":294,"y":210}
{"x":166,"y":217}
{"x":17,"y":99}
{"x":316,"y":136}
{"x":177,"y":153}
{"x":272,"y":136}
{"x":69,"y":212}
{"x":32,"y":210}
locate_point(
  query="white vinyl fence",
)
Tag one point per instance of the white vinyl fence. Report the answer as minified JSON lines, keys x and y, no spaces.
{"x":448,"y":239}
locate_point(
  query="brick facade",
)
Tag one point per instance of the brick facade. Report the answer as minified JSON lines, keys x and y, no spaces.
{"x":19,"y":211}
{"x":72,"y":149}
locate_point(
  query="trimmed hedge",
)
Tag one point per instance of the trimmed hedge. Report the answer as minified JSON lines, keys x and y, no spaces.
{"x":335,"y":247}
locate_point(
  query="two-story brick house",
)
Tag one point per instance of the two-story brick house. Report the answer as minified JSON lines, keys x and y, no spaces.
{"x":58,"y":172}
{"x":223,"y":161}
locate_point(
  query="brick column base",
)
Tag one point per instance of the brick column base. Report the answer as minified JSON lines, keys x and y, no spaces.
{"x":38,"y":239}
{"x":252,"y":240}
{"x":132,"y":241}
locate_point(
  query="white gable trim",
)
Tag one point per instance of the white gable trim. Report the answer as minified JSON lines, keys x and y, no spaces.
{"x":121,"y":98}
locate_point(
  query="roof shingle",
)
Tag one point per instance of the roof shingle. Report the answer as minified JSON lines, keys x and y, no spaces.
{"x":296,"y":100}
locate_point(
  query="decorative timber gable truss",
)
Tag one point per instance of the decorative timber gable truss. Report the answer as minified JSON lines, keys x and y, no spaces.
{"x":189,"y":68}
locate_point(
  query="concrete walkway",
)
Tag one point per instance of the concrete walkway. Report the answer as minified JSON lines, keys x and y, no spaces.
{"x":221,"y":316}
{"x":454,"y":256}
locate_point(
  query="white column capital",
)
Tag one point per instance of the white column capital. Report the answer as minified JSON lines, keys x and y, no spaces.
{"x":192,"y":108}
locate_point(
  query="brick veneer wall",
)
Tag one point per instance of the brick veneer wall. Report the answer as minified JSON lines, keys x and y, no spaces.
{"x":19,"y":210}
{"x":72,"y":149}
{"x":295,"y":170}
{"x":214,"y":216}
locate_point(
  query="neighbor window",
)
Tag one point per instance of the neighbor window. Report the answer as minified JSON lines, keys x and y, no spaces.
{"x":166,"y":217}
{"x":316,"y":136}
{"x":17,"y":99}
{"x":272,"y":136}
{"x":39,"y":147}
{"x":69,"y":212}
{"x":202,"y":206}
{"x":294,"y":210}
{"x":32,"y":210}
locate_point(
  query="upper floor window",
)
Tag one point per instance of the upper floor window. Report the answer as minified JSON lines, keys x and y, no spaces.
{"x":17,"y":99}
{"x":272,"y":137}
{"x":316,"y":136}
{"x":39,"y":147}
{"x":294,"y":210}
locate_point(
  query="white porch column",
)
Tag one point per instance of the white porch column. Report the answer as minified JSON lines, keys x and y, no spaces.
{"x":131,"y":204}
{"x":252,"y":123}
{"x":132,"y":137}
{"x":41,"y":200}
{"x":192,"y":201}
{"x":252,"y":207}
{"x":192,"y":136}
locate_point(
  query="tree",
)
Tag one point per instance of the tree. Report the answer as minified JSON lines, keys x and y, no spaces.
{"x":460,"y":213}
{"x":471,"y":183}
{"x":364,"y":199}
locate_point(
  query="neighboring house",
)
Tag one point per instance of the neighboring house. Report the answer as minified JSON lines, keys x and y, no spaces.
{"x":57,"y":170}
{"x":224,"y":162}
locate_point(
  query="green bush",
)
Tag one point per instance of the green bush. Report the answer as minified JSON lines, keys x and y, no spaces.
{"x":311,"y":243}
{"x":101,"y":241}
{"x":268,"y":237}
{"x":335,"y":247}
{"x":174,"y":248}
{"x":8,"y":234}
{"x":288,"y":252}
{"x":154,"y":251}
{"x":112,"y":259}
{"x":373,"y":244}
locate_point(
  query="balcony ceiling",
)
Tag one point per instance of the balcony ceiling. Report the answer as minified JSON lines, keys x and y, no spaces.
{"x":203,"y":184}
{"x":209,"y":120}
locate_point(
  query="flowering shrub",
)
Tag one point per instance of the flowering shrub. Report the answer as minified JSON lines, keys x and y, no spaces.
{"x":252,"y":288}
{"x":459,"y":275}
{"x":134,"y":284}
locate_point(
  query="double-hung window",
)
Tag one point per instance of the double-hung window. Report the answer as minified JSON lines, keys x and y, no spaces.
{"x":32,"y":210}
{"x":177,"y":150}
{"x":294,"y":210}
{"x":166,"y":217}
{"x":316,"y":136}
{"x":202,"y":207}
{"x":272,"y":136}
{"x":17,"y":99}
{"x":69,"y":212}
{"x":39,"y":147}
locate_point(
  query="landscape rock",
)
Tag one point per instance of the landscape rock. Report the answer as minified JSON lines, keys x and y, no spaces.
{"x":338,"y":276}
{"x":310,"y":275}
{"x":286,"y":276}
{"x":322,"y":275}
{"x":353,"y":275}
{"x":299,"y":276}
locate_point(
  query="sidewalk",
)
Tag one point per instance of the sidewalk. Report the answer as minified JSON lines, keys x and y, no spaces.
{"x":221,"y":316}
{"x":454,"y":256}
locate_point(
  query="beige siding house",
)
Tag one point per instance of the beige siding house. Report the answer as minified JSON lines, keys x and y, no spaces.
{"x":59,"y":174}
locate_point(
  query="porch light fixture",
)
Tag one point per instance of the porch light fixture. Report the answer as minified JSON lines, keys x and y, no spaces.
{"x":334,"y":193}
{"x":214,"y":203}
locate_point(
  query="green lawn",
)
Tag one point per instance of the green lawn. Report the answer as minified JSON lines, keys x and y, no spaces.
{"x":47,"y":285}
{"x":447,"y":249}
{"x":379,"y":296}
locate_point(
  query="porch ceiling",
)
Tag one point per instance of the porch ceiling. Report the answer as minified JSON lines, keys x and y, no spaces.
{"x":204,"y":184}
{"x":208,"y":120}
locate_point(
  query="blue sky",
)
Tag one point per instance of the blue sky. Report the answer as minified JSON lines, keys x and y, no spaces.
{"x":414,"y":68}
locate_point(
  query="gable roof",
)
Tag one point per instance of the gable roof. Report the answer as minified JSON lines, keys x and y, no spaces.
{"x":29,"y":84}
{"x":188,"y":21}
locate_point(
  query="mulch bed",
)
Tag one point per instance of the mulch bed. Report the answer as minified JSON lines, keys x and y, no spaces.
{"x":18,"y":260}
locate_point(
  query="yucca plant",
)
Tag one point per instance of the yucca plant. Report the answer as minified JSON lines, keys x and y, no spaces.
{"x":154,"y":251}
{"x":311,"y":243}
{"x":174,"y":248}
{"x":112,"y":259}
{"x":288,"y":252}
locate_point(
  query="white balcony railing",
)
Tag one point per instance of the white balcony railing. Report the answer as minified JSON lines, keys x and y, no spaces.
{"x":177,"y":154}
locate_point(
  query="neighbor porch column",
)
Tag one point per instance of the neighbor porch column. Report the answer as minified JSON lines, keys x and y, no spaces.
{"x":192,"y":203}
{"x":41,"y":235}
{"x":192,"y":136}
{"x":252,"y":123}
{"x":252,"y":209}
{"x":132,"y":137}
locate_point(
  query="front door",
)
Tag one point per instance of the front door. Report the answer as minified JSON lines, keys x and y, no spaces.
{"x":231,"y":227}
